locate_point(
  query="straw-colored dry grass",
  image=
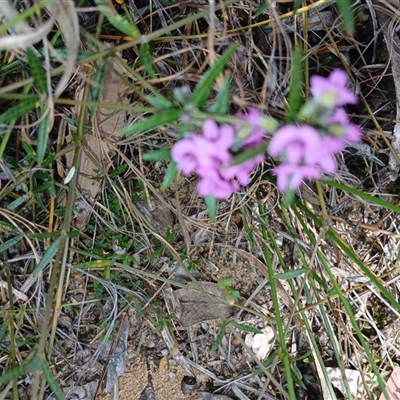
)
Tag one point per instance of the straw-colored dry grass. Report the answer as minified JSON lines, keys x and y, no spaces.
{"x":82,"y":256}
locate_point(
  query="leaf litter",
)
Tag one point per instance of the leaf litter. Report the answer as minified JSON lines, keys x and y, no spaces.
{"x":371,"y":231}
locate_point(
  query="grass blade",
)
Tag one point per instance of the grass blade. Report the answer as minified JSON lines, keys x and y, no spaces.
{"x":203,"y":89}
{"x":43,"y":135}
{"x":346,"y":13}
{"x":147,"y":60}
{"x":52,"y":382}
{"x":37,"y":71}
{"x":152,"y":122}
{"x":120,"y":22}
{"x":296,"y":85}
{"x":48,"y":256}
{"x":19,"y":110}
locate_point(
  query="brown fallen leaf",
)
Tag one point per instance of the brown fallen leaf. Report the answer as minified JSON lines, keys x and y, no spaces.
{"x":156,"y":213}
{"x":97,"y":152}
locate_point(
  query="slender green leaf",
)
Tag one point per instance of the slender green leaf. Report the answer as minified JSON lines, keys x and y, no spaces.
{"x":120,"y":22}
{"x":160,"y":102}
{"x":19,"y":370}
{"x":118,"y":170}
{"x":54,"y":386}
{"x":261,"y":9}
{"x":48,"y":160}
{"x":221,"y":106}
{"x":93,"y":264}
{"x":346,"y":13}
{"x":170,"y":175}
{"x":18,"y":202}
{"x":37,"y":71}
{"x":43,"y":135}
{"x":157,"y":155}
{"x":6,"y":227}
{"x":43,"y":235}
{"x":29,"y":150}
{"x":97,"y":86}
{"x":46,"y":187}
{"x":98,"y":81}
{"x":48,"y":256}
{"x":219,"y":338}
{"x":297,"y":5}
{"x":73,"y":234}
{"x":19,"y":110}
{"x":296,"y":83}
{"x":202,"y":91}
{"x":246,"y":328}
{"x":290,"y":274}
{"x":362,"y":195}
{"x":10,"y":243}
{"x":36,"y":364}
{"x":147,"y":60}
{"x":211,"y":204}
{"x":3,"y":331}
{"x":156,"y":120}
{"x":297,"y":376}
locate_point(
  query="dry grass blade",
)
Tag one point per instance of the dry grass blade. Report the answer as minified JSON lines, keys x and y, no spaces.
{"x":22,"y":34}
{"x":388,"y":24}
{"x":264,"y":301}
{"x":64,"y":13}
{"x":98,"y":147}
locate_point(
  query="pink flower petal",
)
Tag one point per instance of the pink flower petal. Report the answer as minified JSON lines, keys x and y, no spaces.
{"x":352,"y":132}
{"x":290,"y":176}
{"x":216,"y":187}
{"x":221,"y":136}
{"x":298,"y":141}
{"x":336,"y":85}
{"x":184,"y":154}
{"x":241,"y":172}
{"x":257,"y":134}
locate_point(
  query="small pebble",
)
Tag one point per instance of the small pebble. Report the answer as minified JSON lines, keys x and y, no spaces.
{"x":164,"y":352}
{"x":150,"y":344}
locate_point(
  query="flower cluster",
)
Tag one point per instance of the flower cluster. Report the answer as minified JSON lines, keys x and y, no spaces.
{"x":210,"y":155}
{"x":308,"y":152}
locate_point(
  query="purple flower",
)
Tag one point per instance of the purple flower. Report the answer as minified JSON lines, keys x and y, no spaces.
{"x":332,"y":91}
{"x":217,"y":187}
{"x":350,"y":132}
{"x":213,"y":147}
{"x":204,"y":152}
{"x":209,"y":156}
{"x":241,"y":172}
{"x":257,"y":133}
{"x":290,"y":176}
{"x":185,"y":155}
{"x":221,"y":136}
{"x":299,"y":143}
{"x":307,"y":153}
